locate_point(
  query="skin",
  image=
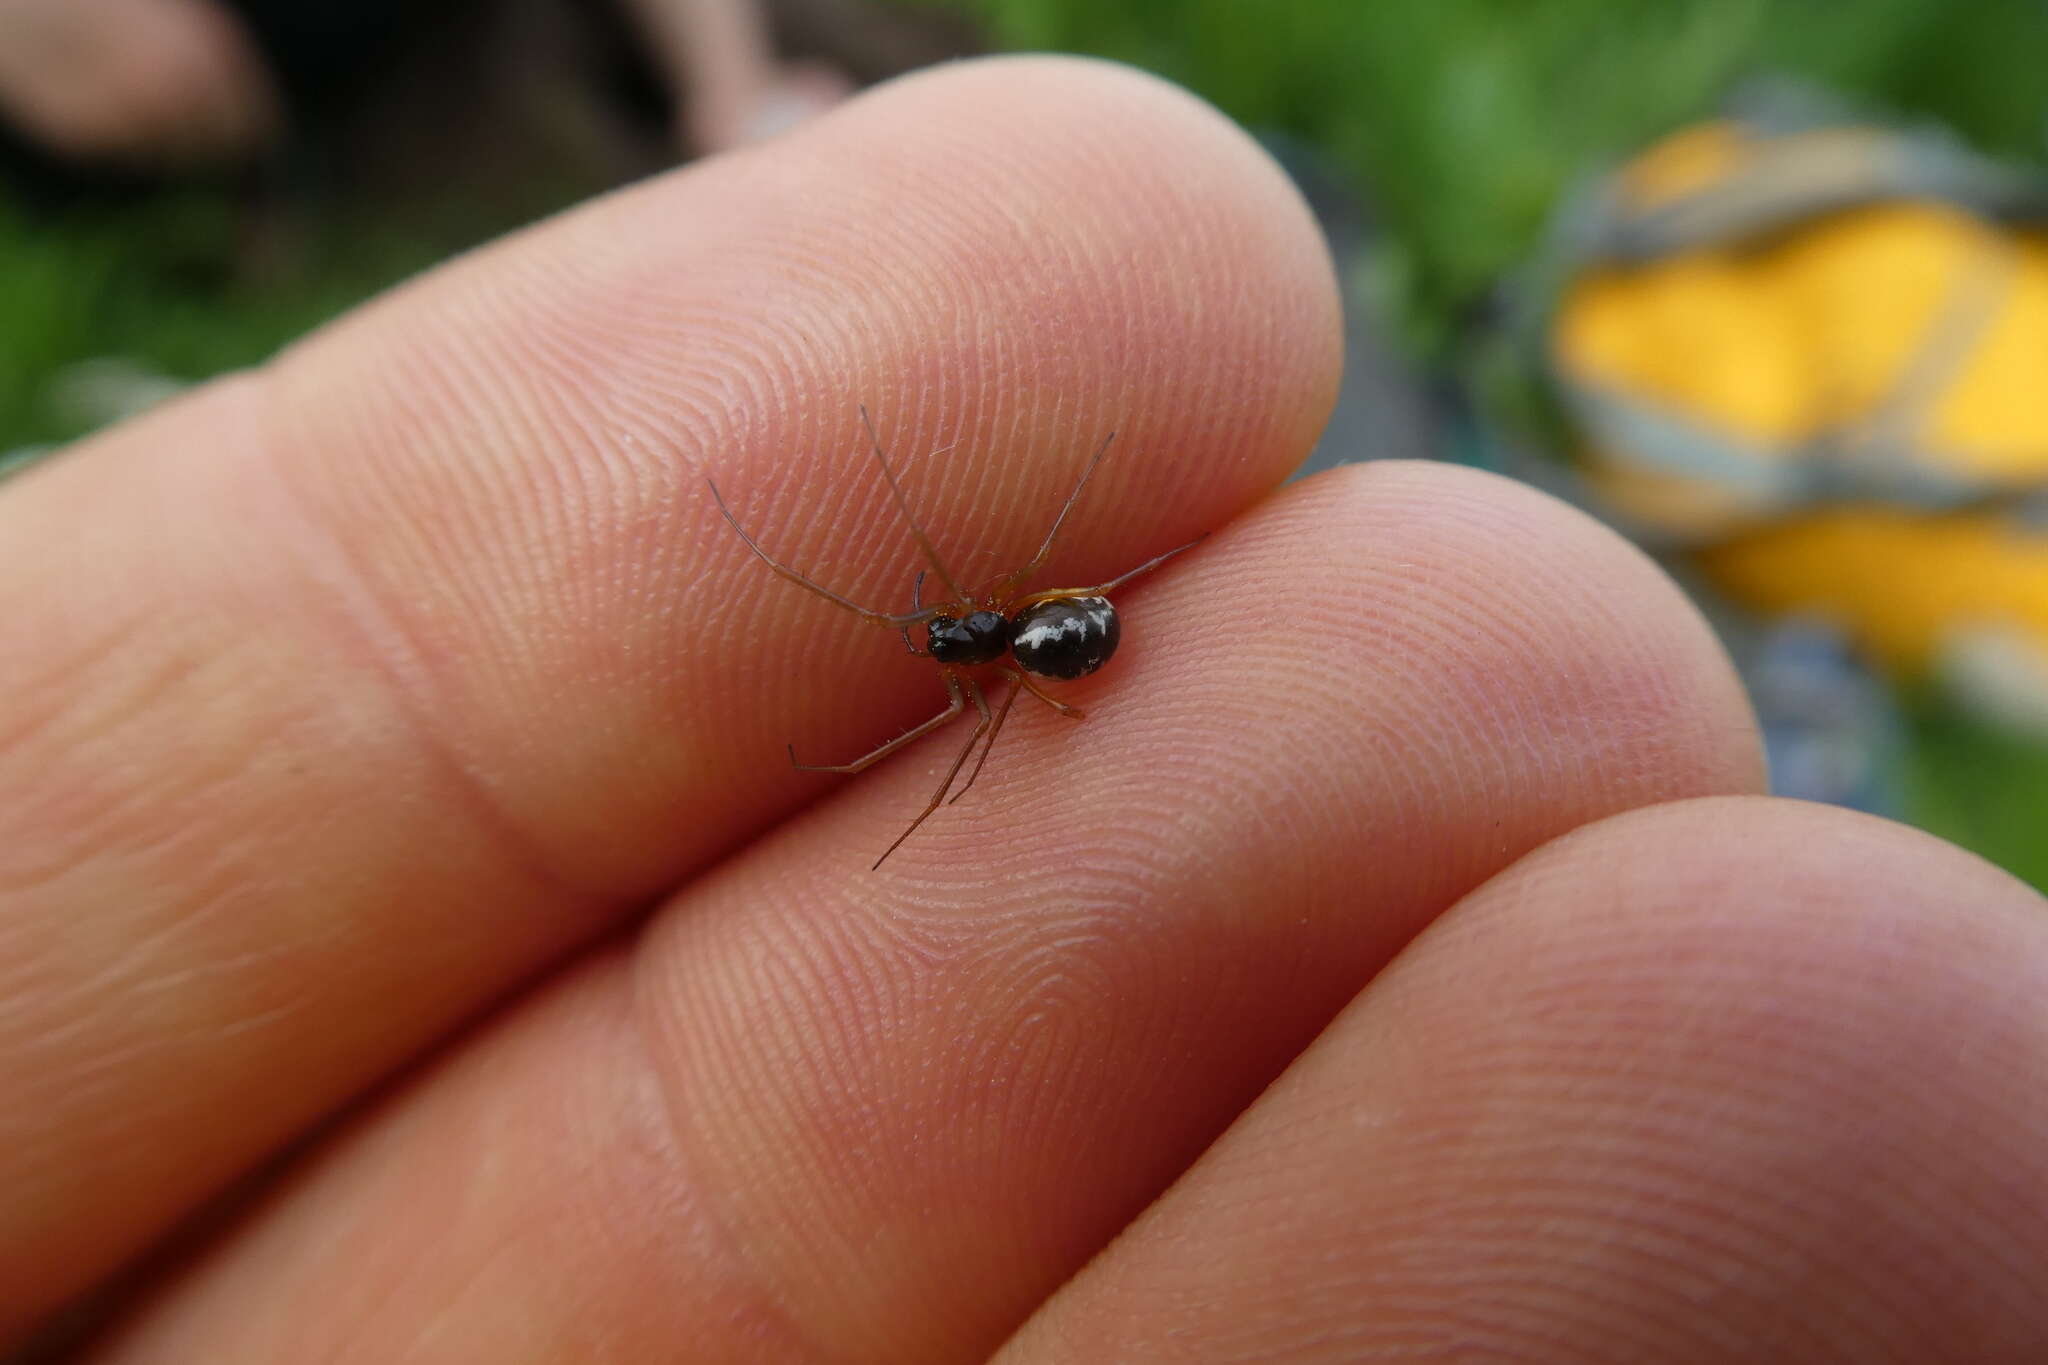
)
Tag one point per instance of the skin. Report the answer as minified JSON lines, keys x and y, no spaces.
{"x":1397,"y":961}
{"x":149,"y":84}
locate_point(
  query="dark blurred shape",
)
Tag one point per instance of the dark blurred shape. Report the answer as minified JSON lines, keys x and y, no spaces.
{"x":325,"y":50}
{"x":504,"y":107}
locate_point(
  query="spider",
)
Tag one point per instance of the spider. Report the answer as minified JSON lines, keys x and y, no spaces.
{"x":1054,"y":633}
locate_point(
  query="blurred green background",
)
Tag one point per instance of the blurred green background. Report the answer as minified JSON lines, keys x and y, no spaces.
{"x":1459,"y":121}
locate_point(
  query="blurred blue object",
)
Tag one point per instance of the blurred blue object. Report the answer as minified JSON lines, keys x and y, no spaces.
{"x":1384,"y":409}
{"x":1832,"y":730}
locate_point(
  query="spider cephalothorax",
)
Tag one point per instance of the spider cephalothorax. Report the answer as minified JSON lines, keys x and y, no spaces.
{"x":979,"y":637}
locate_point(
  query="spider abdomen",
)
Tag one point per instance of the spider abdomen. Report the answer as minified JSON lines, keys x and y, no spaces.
{"x":1064,"y":637}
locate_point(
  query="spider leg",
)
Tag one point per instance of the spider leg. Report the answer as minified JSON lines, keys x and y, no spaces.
{"x":981,"y":705}
{"x":869,"y":614}
{"x":1103,"y":589}
{"x":1002,"y":714}
{"x":918,"y":731}
{"x":916,"y":604}
{"x":1070,"y":712}
{"x":903,"y":505}
{"x":1016,"y":578}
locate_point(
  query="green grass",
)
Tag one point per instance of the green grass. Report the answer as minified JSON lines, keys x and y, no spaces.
{"x":1980,"y":787}
{"x":156,"y":280}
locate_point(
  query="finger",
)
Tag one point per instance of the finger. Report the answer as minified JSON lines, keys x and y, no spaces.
{"x":136,"y":81}
{"x":829,"y":1114}
{"x":342,"y":696}
{"x":198,"y":88}
{"x":1717,"y":1081}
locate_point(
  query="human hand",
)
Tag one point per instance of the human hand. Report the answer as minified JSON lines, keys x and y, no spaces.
{"x":1391,"y":962}
{"x":151,"y":84}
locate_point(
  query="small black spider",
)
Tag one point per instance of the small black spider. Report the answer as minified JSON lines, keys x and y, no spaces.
{"x":1054,"y":633}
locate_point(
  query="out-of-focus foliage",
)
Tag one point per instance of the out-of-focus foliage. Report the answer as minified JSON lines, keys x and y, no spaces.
{"x":1466,"y":118}
{"x":163,"y":282}
{"x":1980,"y":787}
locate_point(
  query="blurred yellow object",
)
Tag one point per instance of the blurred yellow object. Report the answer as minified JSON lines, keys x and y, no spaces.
{"x":1786,"y":341}
{"x":1819,"y":359}
{"x":1903,"y":582}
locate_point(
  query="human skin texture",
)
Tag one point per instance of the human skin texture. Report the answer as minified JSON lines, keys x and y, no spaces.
{"x":402,"y":866}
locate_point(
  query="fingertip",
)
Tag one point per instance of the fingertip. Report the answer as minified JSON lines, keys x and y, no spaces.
{"x":1728,"y":1078}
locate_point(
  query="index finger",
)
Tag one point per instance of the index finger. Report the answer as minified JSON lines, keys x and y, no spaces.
{"x":383,"y":676}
